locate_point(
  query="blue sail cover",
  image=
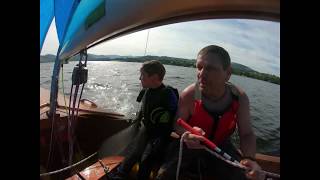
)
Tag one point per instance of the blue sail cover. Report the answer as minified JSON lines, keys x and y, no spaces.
{"x":63,"y":13}
{"x":46,"y":16}
{"x":84,"y":9}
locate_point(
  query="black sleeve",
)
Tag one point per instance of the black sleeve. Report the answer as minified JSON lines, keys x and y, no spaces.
{"x":141,"y":94}
{"x":165,"y":116}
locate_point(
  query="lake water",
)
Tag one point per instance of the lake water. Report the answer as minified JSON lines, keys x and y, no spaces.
{"x":115,"y":85}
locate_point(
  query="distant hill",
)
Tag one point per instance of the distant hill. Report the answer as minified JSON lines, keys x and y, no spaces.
{"x":47,"y":58}
{"x":237,"y":68}
{"x":241,"y":67}
{"x":162,"y":59}
{"x":91,"y":57}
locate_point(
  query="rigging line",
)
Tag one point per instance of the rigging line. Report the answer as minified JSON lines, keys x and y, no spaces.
{"x":85,"y":65}
{"x":70,"y":132}
{"x":64,"y":97}
{"x":85,"y":56}
{"x":69,"y":119}
{"x":74,"y":139}
{"x":145,"y":49}
{"x":74,"y":101}
{"x":51,"y":146}
{"x":71,"y":129}
{"x":68,"y":167}
{"x":74,"y":116}
{"x":70,"y":97}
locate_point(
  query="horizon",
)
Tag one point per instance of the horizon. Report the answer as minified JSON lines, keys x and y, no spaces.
{"x":253,"y":43}
{"x":153,"y":55}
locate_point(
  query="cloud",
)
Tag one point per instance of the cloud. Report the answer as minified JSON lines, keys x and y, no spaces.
{"x":254,"y":43}
{"x":251,"y":42}
{"x":132,"y":44}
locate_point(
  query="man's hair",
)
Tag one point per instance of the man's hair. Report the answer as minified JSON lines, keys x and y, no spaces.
{"x":154,"y":67}
{"x":219,"y":51}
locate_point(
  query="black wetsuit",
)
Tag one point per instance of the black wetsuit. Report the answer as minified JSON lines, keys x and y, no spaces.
{"x":158,"y":110}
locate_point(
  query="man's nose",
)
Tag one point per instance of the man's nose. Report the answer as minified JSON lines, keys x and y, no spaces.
{"x":202,"y":72}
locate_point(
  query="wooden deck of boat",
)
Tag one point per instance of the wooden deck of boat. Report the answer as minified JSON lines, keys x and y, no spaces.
{"x":84,"y":108}
{"x":269,"y":163}
{"x":96,"y":170}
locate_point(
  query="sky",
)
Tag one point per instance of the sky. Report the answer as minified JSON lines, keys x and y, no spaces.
{"x":254,"y":43}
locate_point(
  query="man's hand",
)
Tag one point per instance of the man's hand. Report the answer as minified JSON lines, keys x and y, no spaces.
{"x":255,"y":172}
{"x":193,"y":141}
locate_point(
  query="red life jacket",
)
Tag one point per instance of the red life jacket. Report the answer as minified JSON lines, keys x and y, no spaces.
{"x":226,"y":125}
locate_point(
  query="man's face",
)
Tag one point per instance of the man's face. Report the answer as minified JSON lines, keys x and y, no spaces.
{"x":146,"y":80}
{"x":210,"y":73}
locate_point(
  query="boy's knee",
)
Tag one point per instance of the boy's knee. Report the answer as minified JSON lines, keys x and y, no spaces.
{"x":165,"y":173}
{"x":160,"y":174}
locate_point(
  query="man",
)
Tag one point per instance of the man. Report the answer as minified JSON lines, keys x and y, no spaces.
{"x":159,"y":105}
{"x":214,"y":108}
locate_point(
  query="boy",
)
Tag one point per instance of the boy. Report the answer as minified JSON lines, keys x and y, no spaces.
{"x":159,"y":105}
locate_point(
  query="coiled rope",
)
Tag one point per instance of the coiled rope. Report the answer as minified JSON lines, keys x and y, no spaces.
{"x":68,"y":167}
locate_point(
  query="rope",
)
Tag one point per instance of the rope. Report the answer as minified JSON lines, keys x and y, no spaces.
{"x":64,"y":97}
{"x":74,"y":115}
{"x":70,"y":128}
{"x":51,"y":139}
{"x":52,"y":123}
{"x":180,"y":155}
{"x":68,"y":167}
{"x":76,"y":118}
{"x":145,"y":49}
{"x":238,"y":165}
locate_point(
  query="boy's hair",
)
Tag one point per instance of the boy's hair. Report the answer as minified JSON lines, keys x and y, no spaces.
{"x":153,"y":67}
{"x":222,"y":53}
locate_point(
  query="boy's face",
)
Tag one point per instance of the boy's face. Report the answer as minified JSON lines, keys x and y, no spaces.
{"x":147,"y":81}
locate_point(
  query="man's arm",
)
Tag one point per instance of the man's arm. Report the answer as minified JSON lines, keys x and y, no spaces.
{"x":184,"y":107}
{"x":185,"y":111}
{"x":247,"y":139}
{"x":247,"y":136}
